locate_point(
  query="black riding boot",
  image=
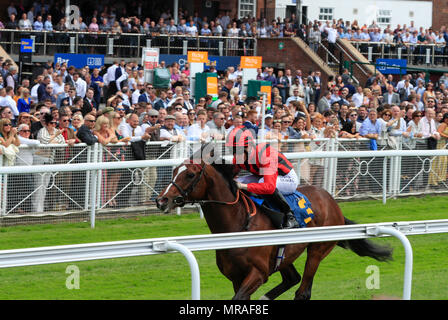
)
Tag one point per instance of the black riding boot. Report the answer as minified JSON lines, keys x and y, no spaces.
{"x":280,"y":202}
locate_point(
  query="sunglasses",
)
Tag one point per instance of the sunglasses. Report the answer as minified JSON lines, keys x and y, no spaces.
{"x":53,"y":122}
{"x":120,"y":109}
{"x":25,"y":131}
{"x":7,"y":125}
{"x":353,"y":115}
{"x":388,"y":114}
{"x":153,"y":116}
{"x":90,"y":120}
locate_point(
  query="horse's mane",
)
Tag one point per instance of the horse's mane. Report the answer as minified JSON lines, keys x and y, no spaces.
{"x":226,"y":170}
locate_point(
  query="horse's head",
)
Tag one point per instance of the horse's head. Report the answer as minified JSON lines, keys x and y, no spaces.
{"x":188,"y":184}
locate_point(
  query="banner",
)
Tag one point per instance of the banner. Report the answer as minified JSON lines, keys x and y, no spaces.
{"x":391,"y":66}
{"x":249,"y":62}
{"x":150,"y":58}
{"x":212,"y":86}
{"x":197,"y":56}
{"x":26,"y":45}
{"x":267,"y":89}
{"x":219,"y":62}
{"x":80,"y":60}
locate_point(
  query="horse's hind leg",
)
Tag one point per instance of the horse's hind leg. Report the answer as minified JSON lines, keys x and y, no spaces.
{"x":315,"y":254}
{"x":290,"y":277}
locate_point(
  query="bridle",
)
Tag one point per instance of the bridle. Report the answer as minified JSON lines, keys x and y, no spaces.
{"x":182,"y":199}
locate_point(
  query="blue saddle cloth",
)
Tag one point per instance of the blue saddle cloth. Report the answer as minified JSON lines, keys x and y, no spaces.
{"x":299,"y":204}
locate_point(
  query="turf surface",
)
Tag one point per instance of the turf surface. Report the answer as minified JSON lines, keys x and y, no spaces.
{"x":342,"y":275}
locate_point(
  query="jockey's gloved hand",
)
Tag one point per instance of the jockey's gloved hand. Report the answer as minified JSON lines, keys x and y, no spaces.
{"x":241,"y":185}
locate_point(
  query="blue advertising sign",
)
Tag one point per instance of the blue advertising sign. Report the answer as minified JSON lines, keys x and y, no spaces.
{"x":26,"y":45}
{"x":220,"y":63}
{"x":80,"y":60}
{"x":391,"y":66}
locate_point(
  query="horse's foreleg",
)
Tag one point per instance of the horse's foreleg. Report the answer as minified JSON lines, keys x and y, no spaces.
{"x":290,"y":277}
{"x":249,"y":285}
{"x":315,"y":254}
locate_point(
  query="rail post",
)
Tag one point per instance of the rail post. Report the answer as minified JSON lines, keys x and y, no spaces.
{"x":407,"y":286}
{"x":194,"y":267}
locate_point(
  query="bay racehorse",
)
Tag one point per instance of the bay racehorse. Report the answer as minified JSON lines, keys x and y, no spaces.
{"x":228,"y":209}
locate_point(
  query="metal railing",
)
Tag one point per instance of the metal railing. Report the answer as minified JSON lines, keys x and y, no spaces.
{"x":125,"y":45}
{"x":415,"y":54}
{"x":106,"y":180}
{"x":187,"y":244}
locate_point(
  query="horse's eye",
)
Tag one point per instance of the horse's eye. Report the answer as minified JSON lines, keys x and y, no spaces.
{"x":190,"y":175}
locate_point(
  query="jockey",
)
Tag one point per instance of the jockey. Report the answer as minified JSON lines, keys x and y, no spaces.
{"x":272,"y":175}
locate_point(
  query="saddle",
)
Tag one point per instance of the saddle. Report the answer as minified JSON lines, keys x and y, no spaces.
{"x":298,"y":202}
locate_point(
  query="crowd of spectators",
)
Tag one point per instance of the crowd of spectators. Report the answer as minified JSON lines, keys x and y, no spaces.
{"x":115,"y":104}
{"x":137,"y":18}
{"x":65,"y":105}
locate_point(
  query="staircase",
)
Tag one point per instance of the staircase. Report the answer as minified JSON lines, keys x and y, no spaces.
{"x":329,"y":70}
{"x":293,"y":53}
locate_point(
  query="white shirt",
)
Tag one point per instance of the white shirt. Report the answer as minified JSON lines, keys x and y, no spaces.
{"x":357,"y":99}
{"x":123,"y":77}
{"x":134,"y":133}
{"x":135,"y":96}
{"x":165,"y":133}
{"x":110,"y":75}
{"x":195,"y":132}
{"x":8,"y":101}
{"x":332,"y":35}
{"x":81,"y":88}
{"x":58,"y":88}
{"x":34,"y":92}
{"x":26,"y":155}
{"x":428,"y":128}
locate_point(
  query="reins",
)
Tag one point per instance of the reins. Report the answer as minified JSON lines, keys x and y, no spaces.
{"x":250,"y":206}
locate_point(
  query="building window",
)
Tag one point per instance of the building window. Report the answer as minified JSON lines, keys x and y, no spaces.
{"x":325,"y":14}
{"x":384,"y":17}
{"x":246,"y":8}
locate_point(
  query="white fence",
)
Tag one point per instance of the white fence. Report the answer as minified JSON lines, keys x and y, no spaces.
{"x":187,"y":244}
{"x":84,"y":178}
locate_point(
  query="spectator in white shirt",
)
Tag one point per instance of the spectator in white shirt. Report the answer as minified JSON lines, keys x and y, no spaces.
{"x":132,"y":129}
{"x":169,"y":132}
{"x":199,"y":130}
{"x":80,"y":85}
{"x":429,"y":128}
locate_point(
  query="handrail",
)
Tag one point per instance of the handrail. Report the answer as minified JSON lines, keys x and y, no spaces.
{"x":186,"y":244}
{"x":120,"y":33}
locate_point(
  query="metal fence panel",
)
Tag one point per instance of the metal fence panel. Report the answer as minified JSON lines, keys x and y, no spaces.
{"x":49,"y":196}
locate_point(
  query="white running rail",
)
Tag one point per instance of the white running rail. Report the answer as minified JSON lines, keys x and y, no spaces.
{"x":187,"y":244}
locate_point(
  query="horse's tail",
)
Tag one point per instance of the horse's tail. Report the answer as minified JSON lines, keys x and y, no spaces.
{"x":364,"y":247}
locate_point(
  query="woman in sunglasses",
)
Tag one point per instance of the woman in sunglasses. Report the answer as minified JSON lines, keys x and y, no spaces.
{"x":8,"y":134}
{"x":47,"y":135}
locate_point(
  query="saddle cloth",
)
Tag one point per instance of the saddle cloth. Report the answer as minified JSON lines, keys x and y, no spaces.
{"x":299,"y":204}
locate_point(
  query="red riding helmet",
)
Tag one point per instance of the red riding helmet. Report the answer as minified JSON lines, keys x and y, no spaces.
{"x":240,"y":137}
